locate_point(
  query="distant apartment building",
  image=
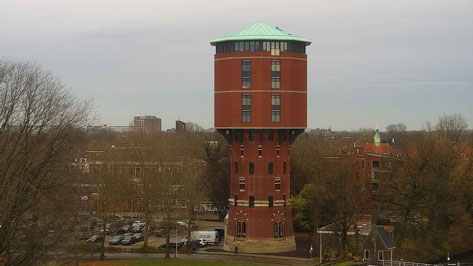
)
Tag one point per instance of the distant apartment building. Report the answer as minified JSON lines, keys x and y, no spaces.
{"x":108,"y":129}
{"x":371,"y":161}
{"x":180,"y":126}
{"x":94,"y":164}
{"x":147,"y":124}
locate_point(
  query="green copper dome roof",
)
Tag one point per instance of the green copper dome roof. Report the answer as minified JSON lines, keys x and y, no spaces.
{"x":377,"y":139}
{"x":261,"y":31}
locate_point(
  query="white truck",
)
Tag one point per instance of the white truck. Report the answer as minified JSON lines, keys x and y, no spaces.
{"x":209,"y":237}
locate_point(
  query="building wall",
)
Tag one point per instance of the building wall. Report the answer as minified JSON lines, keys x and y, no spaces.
{"x":260,"y":219}
{"x":147,"y":124}
{"x":373,"y":177}
{"x":228,"y":90}
{"x":180,"y":126}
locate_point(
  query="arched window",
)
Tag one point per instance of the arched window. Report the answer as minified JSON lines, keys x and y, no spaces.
{"x":367,"y":254}
{"x":243,"y":229}
{"x":281,"y":232}
{"x":238,"y":229}
{"x":278,"y":229}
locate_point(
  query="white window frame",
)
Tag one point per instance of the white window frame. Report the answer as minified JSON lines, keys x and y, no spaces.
{"x":369,"y":254}
{"x":240,"y":179}
{"x":380,"y":252}
{"x":276,"y":179}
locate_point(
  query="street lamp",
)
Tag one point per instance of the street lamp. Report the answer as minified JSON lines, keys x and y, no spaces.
{"x":175,"y":254}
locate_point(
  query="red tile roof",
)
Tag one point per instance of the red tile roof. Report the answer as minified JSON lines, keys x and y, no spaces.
{"x":383,"y":148}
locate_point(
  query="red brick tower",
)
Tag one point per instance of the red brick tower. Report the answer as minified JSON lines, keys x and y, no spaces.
{"x":260,"y":108}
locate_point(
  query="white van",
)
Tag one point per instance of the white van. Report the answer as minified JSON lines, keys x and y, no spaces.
{"x":210,"y":237}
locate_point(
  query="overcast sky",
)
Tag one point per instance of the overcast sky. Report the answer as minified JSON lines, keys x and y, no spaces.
{"x":371,"y":63}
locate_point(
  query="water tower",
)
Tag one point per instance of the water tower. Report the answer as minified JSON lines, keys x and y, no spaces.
{"x":260,"y":91}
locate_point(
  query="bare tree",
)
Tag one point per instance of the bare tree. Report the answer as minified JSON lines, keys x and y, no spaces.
{"x":396,"y":134}
{"x":348,"y":196}
{"x":451,"y":127}
{"x":114,"y":185}
{"x":194,"y":127}
{"x":193,"y":176}
{"x":396,"y":128}
{"x":217,"y":178}
{"x":39,"y":121}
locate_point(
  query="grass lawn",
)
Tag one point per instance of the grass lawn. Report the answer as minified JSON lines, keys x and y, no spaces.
{"x":345,"y":263}
{"x":170,"y":262}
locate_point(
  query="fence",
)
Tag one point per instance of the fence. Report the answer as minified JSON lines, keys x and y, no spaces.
{"x":406,"y":263}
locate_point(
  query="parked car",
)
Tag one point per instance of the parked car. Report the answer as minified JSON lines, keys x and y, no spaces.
{"x":139,"y":237}
{"x":183,"y":222}
{"x":82,"y":236}
{"x":128,"y":234}
{"x":95,"y":239}
{"x":140,"y":223}
{"x":128,"y":240}
{"x":157,"y":224}
{"x":197,"y":244}
{"x":172,"y":245}
{"x":200,"y":242}
{"x":186,"y":223}
{"x":208,"y":237}
{"x":137,"y":228}
{"x":125,"y":229}
{"x":158,"y":233}
{"x":116,"y":240}
{"x":107,"y":229}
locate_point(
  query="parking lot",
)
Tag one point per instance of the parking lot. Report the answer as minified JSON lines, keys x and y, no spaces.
{"x":129,"y":233}
{"x":152,"y":241}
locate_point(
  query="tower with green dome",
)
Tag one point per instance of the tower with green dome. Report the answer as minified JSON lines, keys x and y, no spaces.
{"x":260,"y":97}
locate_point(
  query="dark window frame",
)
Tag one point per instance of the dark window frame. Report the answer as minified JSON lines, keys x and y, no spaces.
{"x":246,"y":74}
{"x":281,"y":229}
{"x":275,"y":47}
{"x":277,"y":184}
{"x":275,"y":74}
{"x":238,"y":229}
{"x":242,"y":185}
{"x":376,"y":164}
{"x":246,"y":108}
{"x":275,"y":107}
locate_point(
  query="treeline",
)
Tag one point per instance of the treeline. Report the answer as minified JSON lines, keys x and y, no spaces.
{"x":427,"y":194}
{"x":39,"y":122}
{"x":42,"y":186}
{"x":162,"y":174}
{"x":429,"y":191}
